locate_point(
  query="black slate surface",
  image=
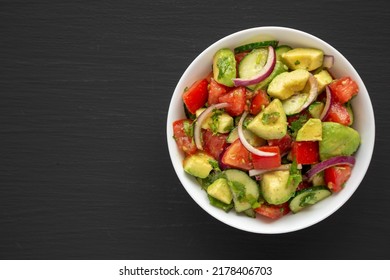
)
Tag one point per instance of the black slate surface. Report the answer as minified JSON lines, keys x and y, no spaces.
{"x":84,"y":91}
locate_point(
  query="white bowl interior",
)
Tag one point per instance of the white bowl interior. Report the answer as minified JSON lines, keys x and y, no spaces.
{"x":363,"y":122}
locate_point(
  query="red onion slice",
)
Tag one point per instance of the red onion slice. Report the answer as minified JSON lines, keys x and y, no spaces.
{"x":202,"y":117}
{"x":328,"y":61}
{"x":246,"y":144}
{"x":350,"y":160}
{"x":325,"y":111}
{"x":313,"y":92}
{"x":264,"y":72}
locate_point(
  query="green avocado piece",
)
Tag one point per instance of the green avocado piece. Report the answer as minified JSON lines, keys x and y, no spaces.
{"x":287,"y":84}
{"x":271,"y":122}
{"x":310,"y":131}
{"x":217,"y":122}
{"x":303,"y":58}
{"x":224,"y":67}
{"x":198,"y":164}
{"x":276,"y":188}
{"x":220,"y":190}
{"x":338,"y":140}
{"x":323,"y":78}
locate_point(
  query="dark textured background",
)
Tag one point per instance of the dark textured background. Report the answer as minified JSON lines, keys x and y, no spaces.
{"x":84,"y":93}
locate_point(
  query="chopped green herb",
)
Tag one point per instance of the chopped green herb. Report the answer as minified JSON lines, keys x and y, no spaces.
{"x":307,"y":200}
{"x":215,"y":120}
{"x":224,"y":65}
{"x":209,"y":179}
{"x":296,"y":125}
{"x":297,"y":62}
{"x":214,"y":164}
{"x":295,"y":174}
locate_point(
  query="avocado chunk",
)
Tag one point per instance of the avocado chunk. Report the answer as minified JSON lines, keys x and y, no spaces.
{"x":287,"y":84}
{"x":220,"y":190}
{"x":198,"y":164}
{"x":276,"y":188}
{"x":323,"y":79}
{"x":217,"y":122}
{"x":271,"y":122}
{"x":303,"y":58}
{"x":338,"y":140}
{"x":310,"y":131}
{"x":224,"y":67}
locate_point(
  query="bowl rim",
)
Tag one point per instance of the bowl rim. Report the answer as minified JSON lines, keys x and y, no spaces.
{"x":358,"y":176}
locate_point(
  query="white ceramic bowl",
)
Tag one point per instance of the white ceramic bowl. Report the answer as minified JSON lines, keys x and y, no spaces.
{"x":363,"y":122}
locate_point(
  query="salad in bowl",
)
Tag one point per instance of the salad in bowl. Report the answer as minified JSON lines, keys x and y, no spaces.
{"x":267,"y":130}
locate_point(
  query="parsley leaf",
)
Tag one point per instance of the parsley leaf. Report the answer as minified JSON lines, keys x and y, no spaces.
{"x":297,"y":124}
{"x":214,"y":164}
{"x":215,"y":120}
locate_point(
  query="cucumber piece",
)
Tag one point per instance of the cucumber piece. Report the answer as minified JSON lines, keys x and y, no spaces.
{"x":281,"y":50}
{"x":293,"y":104}
{"x":256,"y":45}
{"x":253,"y":139}
{"x":252,"y":63}
{"x":307,"y":197}
{"x":250,"y":213}
{"x":244,"y":189}
{"x":316,"y":108}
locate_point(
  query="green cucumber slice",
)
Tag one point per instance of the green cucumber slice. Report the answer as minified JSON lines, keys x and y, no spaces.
{"x":252,"y":63}
{"x":307,"y":197}
{"x":294,"y":104}
{"x":244,"y":189}
{"x":256,"y":45}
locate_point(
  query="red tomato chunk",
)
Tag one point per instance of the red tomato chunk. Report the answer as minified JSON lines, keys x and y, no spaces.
{"x":344,"y":89}
{"x":262,"y":162}
{"x":196,"y":96}
{"x":336,"y":176}
{"x":182,"y":135}
{"x":305,"y":152}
